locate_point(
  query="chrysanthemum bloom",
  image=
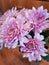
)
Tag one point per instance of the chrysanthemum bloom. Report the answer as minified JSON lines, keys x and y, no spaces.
{"x":14,"y":30}
{"x":39,"y":19}
{"x":33,"y":49}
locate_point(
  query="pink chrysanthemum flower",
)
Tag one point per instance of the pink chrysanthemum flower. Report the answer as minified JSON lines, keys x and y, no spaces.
{"x":14,"y":30}
{"x":38,"y":18}
{"x":33,"y":49}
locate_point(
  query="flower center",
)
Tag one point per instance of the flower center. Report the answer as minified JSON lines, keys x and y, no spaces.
{"x":31,"y":45}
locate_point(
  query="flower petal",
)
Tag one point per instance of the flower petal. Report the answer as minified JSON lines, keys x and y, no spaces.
{"x":38,"y":36}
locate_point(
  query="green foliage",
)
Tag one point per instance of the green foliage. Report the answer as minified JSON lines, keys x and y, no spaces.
{"x":45,"y":33}
{"x":47,"y":40}
{"x":46,"y":57}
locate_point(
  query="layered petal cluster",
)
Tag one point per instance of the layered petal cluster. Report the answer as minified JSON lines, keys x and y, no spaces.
{"x":33,"y":49}
{"x":39,"y":19}
{"x":14,"y":28}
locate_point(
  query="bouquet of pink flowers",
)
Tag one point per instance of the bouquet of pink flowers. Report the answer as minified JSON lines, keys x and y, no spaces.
{"x":17,"y":26}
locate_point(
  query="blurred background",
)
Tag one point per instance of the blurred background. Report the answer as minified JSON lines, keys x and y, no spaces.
{"x":7,"y":4}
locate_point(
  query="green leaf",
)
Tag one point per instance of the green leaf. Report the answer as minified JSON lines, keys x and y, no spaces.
{"x":45,"y":33}
{"x":46,"y":40}
{"x":46,"y":57}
